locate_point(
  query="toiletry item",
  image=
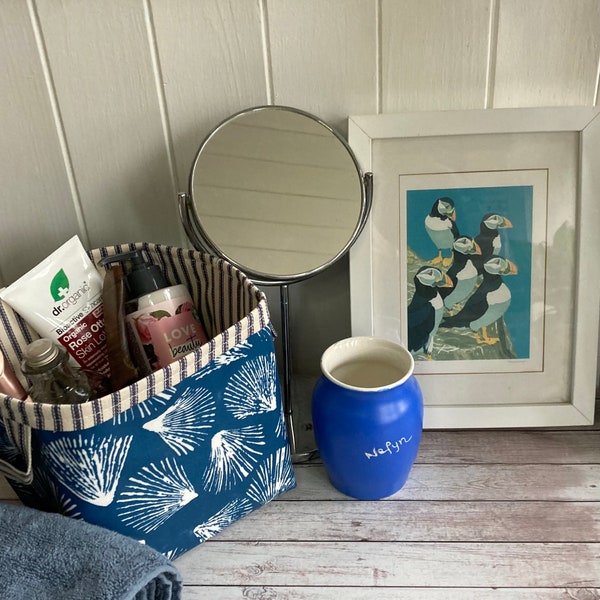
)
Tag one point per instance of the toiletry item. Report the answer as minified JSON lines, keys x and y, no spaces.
{"x":162,"y":317}
{"x":61,"y":299}
{"x":9,"y":384}
{"x":53,"y":379}
{"x":123,"y":371}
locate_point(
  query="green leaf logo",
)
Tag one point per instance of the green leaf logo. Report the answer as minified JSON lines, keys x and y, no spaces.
{"x":59,"y":286}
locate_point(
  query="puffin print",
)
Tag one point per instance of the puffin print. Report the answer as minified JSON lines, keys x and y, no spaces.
{"x":426,"y":309}
{"x":488,"y":303}
{"x":440,"y":225}
{"x":463,"y":271}
{"x":489,"y":239}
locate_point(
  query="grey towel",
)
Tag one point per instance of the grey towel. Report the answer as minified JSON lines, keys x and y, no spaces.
{"x":45,"y":556}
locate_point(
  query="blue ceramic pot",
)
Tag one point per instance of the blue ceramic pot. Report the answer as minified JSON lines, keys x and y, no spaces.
{"x":367,"y":412}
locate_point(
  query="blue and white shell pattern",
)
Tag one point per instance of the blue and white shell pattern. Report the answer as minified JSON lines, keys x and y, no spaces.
{"x":179,"y":467}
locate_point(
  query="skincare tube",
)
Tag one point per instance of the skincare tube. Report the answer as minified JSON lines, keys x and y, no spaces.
{"x":61,"y":298}
{"x":9,"y":384}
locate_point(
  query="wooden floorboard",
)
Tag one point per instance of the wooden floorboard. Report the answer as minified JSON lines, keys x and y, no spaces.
{"x":396,"y":564}
{"x":389,"y":593}
{"x":420,"y":521}
{"x":484,"y":515}
{"x":472,"y":483}
{"x":509,"y":447}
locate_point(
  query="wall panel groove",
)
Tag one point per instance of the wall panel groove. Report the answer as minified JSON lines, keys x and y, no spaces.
{"x":492,"y":54}
{"x":58,"y":121}
{"x":160,"y":93}
{"x":266,"y":42}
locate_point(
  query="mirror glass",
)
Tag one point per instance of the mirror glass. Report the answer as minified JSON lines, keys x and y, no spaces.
{"x":277,"y":192}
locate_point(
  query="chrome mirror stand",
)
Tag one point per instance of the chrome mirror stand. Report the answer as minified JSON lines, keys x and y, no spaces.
{"x":192,"y":230}
{"x":290,"y":165}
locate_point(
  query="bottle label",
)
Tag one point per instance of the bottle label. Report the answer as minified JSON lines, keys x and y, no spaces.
{"x":168,"y":330}
{"x":85,"y":341}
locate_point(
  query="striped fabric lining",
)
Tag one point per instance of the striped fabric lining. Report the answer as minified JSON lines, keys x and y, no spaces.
{"x":232,"y":309}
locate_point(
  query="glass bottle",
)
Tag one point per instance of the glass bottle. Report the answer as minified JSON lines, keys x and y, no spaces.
{"x":53,"y":379}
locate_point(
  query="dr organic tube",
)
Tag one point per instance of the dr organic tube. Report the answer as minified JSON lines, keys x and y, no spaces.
{"x":61,"y":298}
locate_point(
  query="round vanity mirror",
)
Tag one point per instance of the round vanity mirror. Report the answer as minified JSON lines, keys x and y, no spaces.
{"x":276,"y":192}
{"x":279,"y":194}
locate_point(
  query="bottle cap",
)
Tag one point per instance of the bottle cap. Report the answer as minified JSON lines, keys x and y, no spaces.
{"x":141,"y":277}
{"x":40,"y":353}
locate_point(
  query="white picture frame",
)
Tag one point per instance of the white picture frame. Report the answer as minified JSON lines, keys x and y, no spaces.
{"x":551,"y":152}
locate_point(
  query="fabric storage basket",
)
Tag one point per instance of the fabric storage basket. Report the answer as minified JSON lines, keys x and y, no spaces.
{"x":176,"y":457}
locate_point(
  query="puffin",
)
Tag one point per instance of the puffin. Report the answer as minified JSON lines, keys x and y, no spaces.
{"x":441,"y":227}
{"x":426,"y":308}
{"x":463,"y":271}
{"x":489,"y":237}
{"x":488,"y":303}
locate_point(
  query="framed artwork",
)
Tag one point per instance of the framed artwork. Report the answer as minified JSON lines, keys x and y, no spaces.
{"x":481,"y":255}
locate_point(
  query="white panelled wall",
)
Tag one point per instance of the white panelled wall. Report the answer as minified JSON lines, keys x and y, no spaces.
{"x":105,"y":102}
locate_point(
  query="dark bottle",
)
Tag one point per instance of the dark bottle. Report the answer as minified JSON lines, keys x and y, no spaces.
{"x":53,"y":379}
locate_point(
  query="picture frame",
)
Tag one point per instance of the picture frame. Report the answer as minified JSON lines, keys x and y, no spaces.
{"x":539,"y":165}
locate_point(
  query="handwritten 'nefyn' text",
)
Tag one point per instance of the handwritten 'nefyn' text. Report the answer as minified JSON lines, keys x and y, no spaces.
{"x":388,"y":448}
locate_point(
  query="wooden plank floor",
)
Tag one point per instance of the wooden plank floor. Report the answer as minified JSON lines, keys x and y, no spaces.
{"x":484,"y":515}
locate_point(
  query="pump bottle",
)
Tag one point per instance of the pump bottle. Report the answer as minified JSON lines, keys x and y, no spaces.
{"x":162,"y":319}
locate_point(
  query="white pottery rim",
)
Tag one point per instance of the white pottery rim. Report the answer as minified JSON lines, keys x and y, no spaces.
{"x":335,"y":354}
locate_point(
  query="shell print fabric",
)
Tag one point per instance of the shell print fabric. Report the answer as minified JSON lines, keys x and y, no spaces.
{"x":186,"y":423}
{"x":177,"y":468}
{"x":234,"y":454}
{"x":154,"y":494}
{"x":90,"y":467}
{"x":225,"y":516}
{"x":274,"y":476}
{"x":252,"y":390}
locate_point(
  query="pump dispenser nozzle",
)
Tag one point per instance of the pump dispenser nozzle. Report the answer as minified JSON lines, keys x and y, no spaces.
{"x":141,"y":277}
